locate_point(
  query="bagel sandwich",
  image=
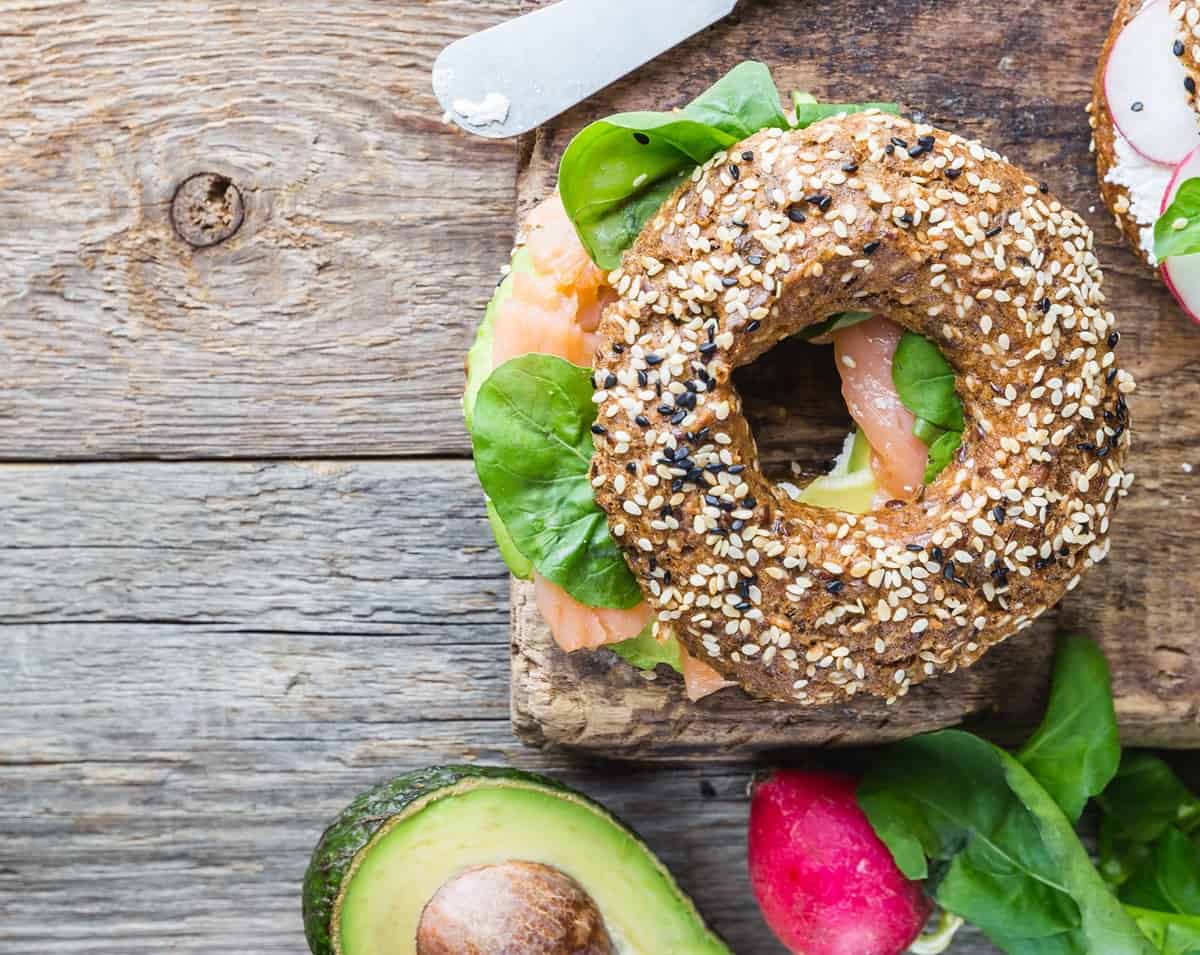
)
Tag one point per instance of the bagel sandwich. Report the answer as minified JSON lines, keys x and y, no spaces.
{"x":977,"y":357}
{"x":1145,"y":117}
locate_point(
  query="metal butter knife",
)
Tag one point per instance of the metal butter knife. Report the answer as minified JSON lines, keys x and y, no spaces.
{"x":515,"y":76}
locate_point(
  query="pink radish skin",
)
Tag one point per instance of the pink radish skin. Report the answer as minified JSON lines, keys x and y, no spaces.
{"x":1143,"y":69}
{"x":826,"y":884}
{"x":1182,"y":273}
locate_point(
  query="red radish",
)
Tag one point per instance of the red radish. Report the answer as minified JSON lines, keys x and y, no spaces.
{"x":1144,"y":84}
{"x":1182,"y":273}
{"x":827,"y":885}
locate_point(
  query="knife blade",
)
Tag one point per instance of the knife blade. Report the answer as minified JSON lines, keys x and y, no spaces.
{"x":510,"y":78}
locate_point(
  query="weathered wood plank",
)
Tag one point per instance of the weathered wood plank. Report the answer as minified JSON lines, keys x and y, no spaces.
{"x":1021,"y":87}
{"x":334,"y":321}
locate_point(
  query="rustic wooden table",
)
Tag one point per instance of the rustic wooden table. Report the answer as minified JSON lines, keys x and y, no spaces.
{"x":244,"y":570}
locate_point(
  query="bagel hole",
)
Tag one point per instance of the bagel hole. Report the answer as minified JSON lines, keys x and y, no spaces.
{"x":792,"y":398}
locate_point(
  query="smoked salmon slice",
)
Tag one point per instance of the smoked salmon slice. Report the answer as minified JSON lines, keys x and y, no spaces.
{"x":864,"y":353}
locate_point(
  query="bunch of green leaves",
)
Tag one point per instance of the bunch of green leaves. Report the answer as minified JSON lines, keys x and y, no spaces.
{"x":994,"y":833}
{"x":1177,"y":231}
{"x":617,"y":171}
{"x":531,"y":433}
{"x":925,"y":383}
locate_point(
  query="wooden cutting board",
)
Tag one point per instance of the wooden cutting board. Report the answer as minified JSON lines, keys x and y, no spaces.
{"x":1017,"y":75}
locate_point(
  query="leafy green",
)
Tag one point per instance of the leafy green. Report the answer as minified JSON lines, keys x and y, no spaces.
{"x":616,"y":173}
{"x":1177,"y":231}
{"x":518,"y":564}
{"x":809,"y":111}
{"x":1075,"y":752}
{"x":1142,"y":803}
{"x":1004,"y":856}
{"x":1167,"y":878}
{"x":533,"y":448}
{"x":941,"y":452}
{"x":1171,"y":934}
{"x":925,"y":382}
{"x":830,"y":325}
{"x":645,"y":651}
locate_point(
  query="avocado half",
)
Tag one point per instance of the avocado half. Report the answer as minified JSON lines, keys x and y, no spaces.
{"x":394,"y":847}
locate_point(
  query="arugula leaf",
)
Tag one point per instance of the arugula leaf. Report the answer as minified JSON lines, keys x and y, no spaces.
{"x":646,"y":651}
{"x":925,"y":382}
{"x":1168,"y":879}
{"x":1005,"y":857}
{"x":1075,"y":752}
{"x":809,"y":111}
{"x":1171,"y":934}
{"x":616,"y":173}
{"x":1177,"y":231}
{"x":830,"y":325}
{"x":533,"y":448}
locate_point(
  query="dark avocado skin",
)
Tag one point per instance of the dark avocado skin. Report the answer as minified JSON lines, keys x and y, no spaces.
{"x":357,"y":824}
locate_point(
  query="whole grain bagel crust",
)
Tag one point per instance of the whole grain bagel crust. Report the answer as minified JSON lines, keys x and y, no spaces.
{"x":862,"y":213}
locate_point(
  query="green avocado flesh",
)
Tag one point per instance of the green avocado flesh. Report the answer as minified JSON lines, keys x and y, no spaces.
{"x":417,"y":832}
{"x":479,"y":366}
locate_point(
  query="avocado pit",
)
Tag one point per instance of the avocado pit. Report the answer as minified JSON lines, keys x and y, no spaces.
{"x":512,"y":908}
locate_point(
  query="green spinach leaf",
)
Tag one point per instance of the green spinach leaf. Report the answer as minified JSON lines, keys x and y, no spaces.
{"x":616,"y":173}
{"x":1004,"y":856}
{"x":941,"y":451}
{"x":645,"y":651}
{"x":1075,"y":752}
{"x":1177,"y":231}
{"x":1144,"y":800}
{"x":1171,"y":934}
{"x":809,"y":111}
{"x":925,"y":382}
{"x":533,"y":447}
{"x":1168,"y":878}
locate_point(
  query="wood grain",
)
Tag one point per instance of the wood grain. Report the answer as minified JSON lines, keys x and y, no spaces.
{"x":334,"y":322}
{"x":1022,"y":88}
{"x":173,"y":740}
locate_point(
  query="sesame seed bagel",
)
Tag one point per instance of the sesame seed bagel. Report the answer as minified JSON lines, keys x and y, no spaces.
{"x":860,"y":213}
{"x":1104,"y":131}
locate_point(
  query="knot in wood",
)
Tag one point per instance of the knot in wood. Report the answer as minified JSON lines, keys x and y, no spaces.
{"x":206,"y":209}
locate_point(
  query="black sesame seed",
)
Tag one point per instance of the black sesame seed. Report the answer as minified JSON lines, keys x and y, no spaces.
{"x":754,"y":259}
{"x":739,"y":223}
{"x":1178,"y":49}
{"x":1044,"y":306}
{"x":871,"y":247}
{"x":850,"y":167}
{"x":953,"y":173}
{"x":1138,"y":106}
{"x":631,"y":467}
{"x":1113,"y":339}
{"x":1043,"y":187}
{"x":913,"y":548}
{"x":708,"y":348}
{"x":749,"y":502}
{"x":729,"y":281}
{"x":917,"y":151}
{"x":712,"y":501}
{"x":653,"y":359}
{"x":599,"y":429}
{"x":1111,"y":376}
{"x":796,"y":215}
{"x":666,"y":409}
{"x":743,"y":605}
{"x":890,"y":149}
{"x":736,"y":468}
{"x":998,"y":513}
{"x":1189,"y":84}
{"x":737,"y":525}
{"x":936,"y":554}
{"x":948,"y":570}
{"x":678,"y":418}
{"x":900,"y":143}
{"x":643,"y":378}
{"x":642,"y":138}
{"x":907,"y":218}
{"x":735,"y":172}
{"x":926,"y":141}
{"x":610,"y":380}
{"x":834,"y":586}
{"x":618,"y":349}
{"x":753,"y":325}
{"x":642,"y":420}
{"x":691,"y":385}
{"x":748,"y":155}
{"x":994,"y":231}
